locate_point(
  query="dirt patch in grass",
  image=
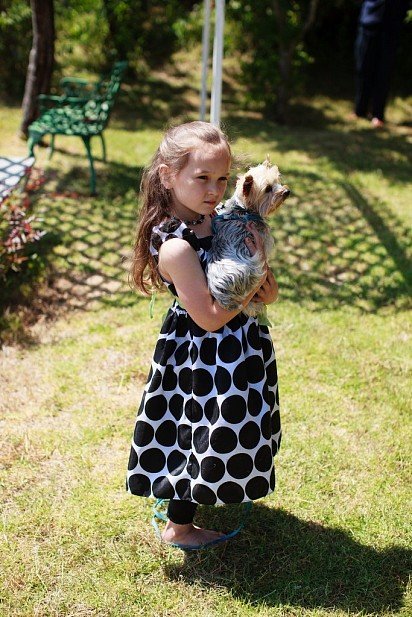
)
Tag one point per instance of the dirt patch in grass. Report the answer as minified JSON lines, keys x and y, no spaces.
{"x":23,"y":320}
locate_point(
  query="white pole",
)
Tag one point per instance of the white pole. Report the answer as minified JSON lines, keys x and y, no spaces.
{"x":217,"y":63}
{"x":205,"y":58}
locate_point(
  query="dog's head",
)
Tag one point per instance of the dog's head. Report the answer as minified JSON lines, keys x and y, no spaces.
{"x":260,"y":189}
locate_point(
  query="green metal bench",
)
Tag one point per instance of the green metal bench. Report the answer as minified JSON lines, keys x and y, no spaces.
{"x":83,"y":110}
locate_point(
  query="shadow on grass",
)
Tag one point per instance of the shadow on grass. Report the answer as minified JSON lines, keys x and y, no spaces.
{"x":113,"y":179}
{"x":160,"y":100}
{"x":281,"y":560}
{"x":155,"y":101}
{"x":333,"y":246}
{"x":90,"y":262}
{"x":354,"y":148}
{"x":390,"y":231}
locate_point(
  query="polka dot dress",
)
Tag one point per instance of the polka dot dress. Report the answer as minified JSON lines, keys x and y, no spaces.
{"x":208,"y":425}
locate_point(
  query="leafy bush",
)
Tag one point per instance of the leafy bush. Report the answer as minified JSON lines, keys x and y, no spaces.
{"x":15,"y":42}
{"x":24,"y":268}
{"x":188,"y":28}
{"x":273,"y":53}
{"x":97,"y":32}
{"x":18,"y":234}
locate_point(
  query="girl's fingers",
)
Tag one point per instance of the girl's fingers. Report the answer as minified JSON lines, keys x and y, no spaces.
{"x":270,"y":275}
{"x":268,"y":290}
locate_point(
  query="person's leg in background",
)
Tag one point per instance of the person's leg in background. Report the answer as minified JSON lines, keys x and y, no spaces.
{"x":366,"y":57}
{"x":386,"y":62}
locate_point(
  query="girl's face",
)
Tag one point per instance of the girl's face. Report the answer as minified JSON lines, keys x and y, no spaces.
{"x":201,"y":184}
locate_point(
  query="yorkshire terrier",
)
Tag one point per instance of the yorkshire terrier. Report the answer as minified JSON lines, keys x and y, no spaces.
{"x":232,"y":272}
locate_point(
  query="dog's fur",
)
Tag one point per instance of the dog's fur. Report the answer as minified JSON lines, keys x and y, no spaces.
{"x":232,"y":272}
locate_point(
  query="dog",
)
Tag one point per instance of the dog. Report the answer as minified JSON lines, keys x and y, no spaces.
{"x":232,"y":272}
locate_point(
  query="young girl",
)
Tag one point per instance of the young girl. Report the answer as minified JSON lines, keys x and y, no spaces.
{"x":208,"y":425}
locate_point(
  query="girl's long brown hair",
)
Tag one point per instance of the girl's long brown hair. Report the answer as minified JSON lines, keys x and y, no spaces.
{"x":156,"y":200}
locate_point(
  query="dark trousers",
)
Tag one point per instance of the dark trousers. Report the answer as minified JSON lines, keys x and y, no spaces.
{"x":375,"y":50}
{"x":181,"y":512}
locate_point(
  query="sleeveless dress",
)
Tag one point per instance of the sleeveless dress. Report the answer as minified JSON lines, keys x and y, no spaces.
{"x":208,"y":425}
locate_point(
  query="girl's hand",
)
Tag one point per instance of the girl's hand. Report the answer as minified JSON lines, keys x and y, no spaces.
{"x":268,"y":291}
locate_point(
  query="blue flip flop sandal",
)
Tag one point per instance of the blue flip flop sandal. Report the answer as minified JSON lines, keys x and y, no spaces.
{"x":160,"y":507}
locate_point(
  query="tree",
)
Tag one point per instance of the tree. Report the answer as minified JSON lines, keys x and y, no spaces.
{"x":41,"y":60}
{"x":270,"y":34}
{"x":15,"y":40}
{"x":142,"y":31}
{"x":288,"y":41}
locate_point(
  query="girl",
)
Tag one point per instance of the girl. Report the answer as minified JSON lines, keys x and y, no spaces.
{"x":208,"y":425}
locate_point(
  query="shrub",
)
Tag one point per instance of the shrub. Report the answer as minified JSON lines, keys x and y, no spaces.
{"x":18,"y":234}
{"x":15,"y":42}
{"x":24,"y":268}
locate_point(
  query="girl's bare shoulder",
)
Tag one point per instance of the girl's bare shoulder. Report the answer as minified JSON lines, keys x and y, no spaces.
{"x":177,"y":248}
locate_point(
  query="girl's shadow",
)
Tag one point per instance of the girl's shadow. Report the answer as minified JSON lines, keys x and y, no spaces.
{"x":279,"y":559}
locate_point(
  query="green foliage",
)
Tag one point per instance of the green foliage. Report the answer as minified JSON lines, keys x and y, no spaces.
{"x":23,"y":259}
{"x":142,"y":31}
{"x":15,"y":42}
{"x":18,"y":234}
{"x":84,"y":25}
{"x":92,"y":34}
{"x":188,"y":28}
{"x":97,"y":32}
{"x":261,"y":40}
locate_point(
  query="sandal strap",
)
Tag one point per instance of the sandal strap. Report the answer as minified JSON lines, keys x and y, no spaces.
{"x":158,"y":515}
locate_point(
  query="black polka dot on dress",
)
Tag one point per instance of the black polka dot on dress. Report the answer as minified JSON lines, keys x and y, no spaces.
{"x":208,"y":425}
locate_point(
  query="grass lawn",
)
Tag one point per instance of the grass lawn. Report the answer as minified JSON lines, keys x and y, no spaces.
{"x":335,"y":537}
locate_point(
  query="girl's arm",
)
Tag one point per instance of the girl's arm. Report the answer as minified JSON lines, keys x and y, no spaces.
{"x":179,"y":264}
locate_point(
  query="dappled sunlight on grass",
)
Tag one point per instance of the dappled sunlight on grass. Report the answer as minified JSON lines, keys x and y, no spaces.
{"x":334,"y":247}
{"x":334,"y":244}
{"x":95,"y":237}
{"x":88,"y":261}
{"x":334,"y":538}
{"x":345,"y":148}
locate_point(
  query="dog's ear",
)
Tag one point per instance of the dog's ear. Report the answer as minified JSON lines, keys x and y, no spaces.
{"x":247,"y":185}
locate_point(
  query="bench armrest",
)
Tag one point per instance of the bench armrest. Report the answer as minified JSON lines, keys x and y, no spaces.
{"x":76,"y":86}
{"x":73,"y":80}
{"x":48,"y":101}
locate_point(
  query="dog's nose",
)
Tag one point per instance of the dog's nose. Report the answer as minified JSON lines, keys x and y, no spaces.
{"x":286,"y":193}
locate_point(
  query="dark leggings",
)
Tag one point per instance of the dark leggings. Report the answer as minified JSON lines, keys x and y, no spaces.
{"x":375,"y":53}
{"x":181,"y":512}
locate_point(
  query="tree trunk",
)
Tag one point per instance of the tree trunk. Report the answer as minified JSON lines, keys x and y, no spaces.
{"x":284,"y":89}
{"x":115,"y":28}
{"x":41,"y":60}
{"x":112,"y":22}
